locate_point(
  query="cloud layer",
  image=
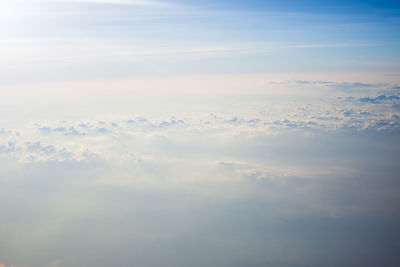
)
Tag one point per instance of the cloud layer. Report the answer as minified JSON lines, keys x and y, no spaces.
{"x":270,"y":178}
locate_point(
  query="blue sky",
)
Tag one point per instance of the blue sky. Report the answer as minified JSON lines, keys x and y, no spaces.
{"x":139,"y":38}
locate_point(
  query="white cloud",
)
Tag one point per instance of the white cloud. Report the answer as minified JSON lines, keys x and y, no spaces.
{"x":106,"y":136}
{"x":139,"y":3}
{"x":197,"y":173}
{"x":55,"y":263}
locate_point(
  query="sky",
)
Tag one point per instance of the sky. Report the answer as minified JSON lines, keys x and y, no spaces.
{"x":199,"y":133}
{"x":58,"y":40}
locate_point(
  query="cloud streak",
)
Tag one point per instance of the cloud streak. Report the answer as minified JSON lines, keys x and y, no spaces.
{"x":138,"y":3}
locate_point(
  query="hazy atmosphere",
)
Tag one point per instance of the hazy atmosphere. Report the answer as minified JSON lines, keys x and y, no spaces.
{"x":199,"y":133}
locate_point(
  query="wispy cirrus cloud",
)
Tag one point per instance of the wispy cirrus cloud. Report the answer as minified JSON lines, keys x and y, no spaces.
{"x":138,"y":3}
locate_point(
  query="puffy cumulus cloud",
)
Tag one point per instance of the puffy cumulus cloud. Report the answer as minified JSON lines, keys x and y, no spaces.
{"x":244,"y":186}
{"x":111,"y":137}
{"x":9,"y":147}
{"x":5,"y":131}
{"x":380,"y":99}
{"x":259,"y":197}
{"x":37,"y":151}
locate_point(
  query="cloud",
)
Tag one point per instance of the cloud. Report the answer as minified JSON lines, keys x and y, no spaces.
{"x":5,"y":131}
{"x":337,"y":85}
{"x":55,"y":263}
{"x":379,"y":99}
{"x":9,"y":147}
{"x":40,"y":148}
{"x":60,"y":129}
{"x":225,"y":165}
{"x":66,"y":140}
{"x":157,"y":197}
{"x":207,"y":184}
{"x":137,"y":3}
{"x":73,"y":131}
